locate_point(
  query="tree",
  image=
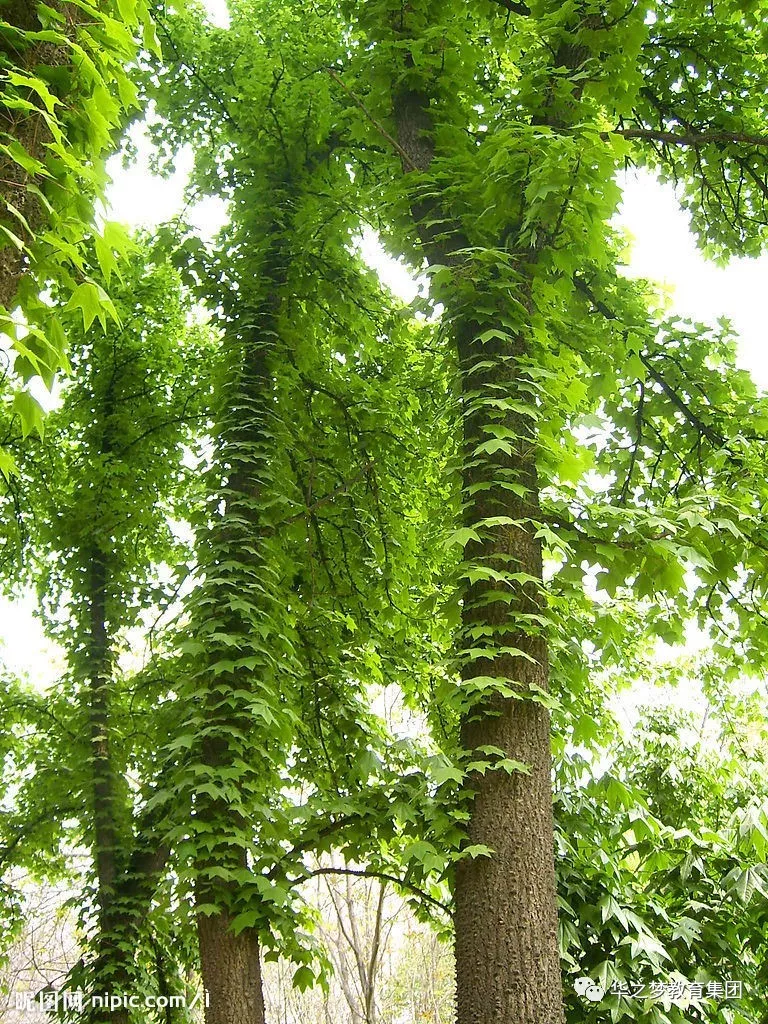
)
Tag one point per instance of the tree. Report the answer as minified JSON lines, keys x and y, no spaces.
{"x":484,"y":138}
{"x":357,"y":942}
{"x":660,"y":852}
{"x":93,"y":506}
{"x":493,"y":132}
{"x":601,"y":446}
{"x":311,"y":450}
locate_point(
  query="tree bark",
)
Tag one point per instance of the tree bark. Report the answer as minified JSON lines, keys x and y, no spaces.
{"x":231,"y":969}
{"x":31,"y":131}
{"x":507,"y":955}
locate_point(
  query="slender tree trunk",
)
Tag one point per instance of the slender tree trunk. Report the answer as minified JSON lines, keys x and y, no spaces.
{"x":112,"y":972}
{"x":365,"y":946}
{"x":113,"y":969}
{"x":230,"y":964}
{"x":105,"y":847}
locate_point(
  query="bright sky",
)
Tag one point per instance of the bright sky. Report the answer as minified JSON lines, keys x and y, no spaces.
{"x":664,"y":251}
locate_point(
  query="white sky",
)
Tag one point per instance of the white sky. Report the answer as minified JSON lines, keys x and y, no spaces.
{"x":664,"y":251}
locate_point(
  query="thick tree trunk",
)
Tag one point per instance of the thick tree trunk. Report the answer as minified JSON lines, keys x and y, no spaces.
{"x":231,"y":970}
{"x":507,"y":955}
{"x":507,"y":963}
{"x":230,"y":964}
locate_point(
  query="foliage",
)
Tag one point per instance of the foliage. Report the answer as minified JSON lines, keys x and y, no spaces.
{"x":95,"y":506}
{"x":67,"y":90}
{"x":536,"y":466}
{"x":661,"y":861}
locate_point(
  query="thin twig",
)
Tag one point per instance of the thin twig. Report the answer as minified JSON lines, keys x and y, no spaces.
{"x":692,"y":139}
{"x":377,"y":125}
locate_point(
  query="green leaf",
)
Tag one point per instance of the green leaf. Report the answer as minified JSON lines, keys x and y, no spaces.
{"x":30,"y":413}
{"x":36,"y":85}
{"x":303,"y":978}
{"x":93,"y":302}
{"x":462,"y":536}
{"x":8,"y":467}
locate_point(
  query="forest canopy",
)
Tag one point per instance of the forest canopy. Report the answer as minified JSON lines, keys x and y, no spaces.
{"x":348,"y":590}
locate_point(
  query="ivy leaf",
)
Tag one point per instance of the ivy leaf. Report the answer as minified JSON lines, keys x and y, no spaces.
{"x":462,"y":536}
{"x":303,"y":978}
{"x":8,"y":467}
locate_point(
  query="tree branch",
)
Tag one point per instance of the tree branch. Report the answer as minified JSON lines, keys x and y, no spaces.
{"x":712,"y":435}
{"x":368,"y":873}
{"x":693,"y":139}
{"x":515,"y":7}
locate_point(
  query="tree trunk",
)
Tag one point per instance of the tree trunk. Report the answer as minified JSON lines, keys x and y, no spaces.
{"x":507,"y":955}
{"x":105,"y":846}
{"x":112,"y":971}
{"x":229,"y":963}
{"x":507,"y":962}
{"x":31,"y":131}
{"x":231,"y":970}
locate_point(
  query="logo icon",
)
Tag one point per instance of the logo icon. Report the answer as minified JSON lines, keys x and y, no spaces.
{"x":589,"y":989}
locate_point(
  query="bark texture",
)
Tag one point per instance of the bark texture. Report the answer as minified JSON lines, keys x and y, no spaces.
{"x":231,"y":970}
{"x":507,"y":956}
{"x":508,"y":963}
{"x":31,"y":131}
{"x":508,"y":966}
